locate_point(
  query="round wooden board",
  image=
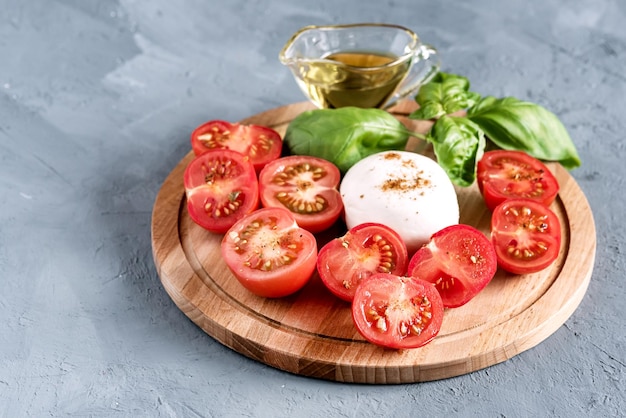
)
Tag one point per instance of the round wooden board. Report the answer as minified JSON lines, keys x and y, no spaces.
{"x":311,"y":333}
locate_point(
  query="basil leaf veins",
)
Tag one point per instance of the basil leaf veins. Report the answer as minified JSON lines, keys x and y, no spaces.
{"x":345,"y":135}
{"x":444,"y":94}
{"x":517,"y":125}
{"x":458,"y":144}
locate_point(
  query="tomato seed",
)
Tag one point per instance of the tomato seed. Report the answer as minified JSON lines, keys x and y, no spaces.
{"x":381,"y":324}
{"x":373,"y":314}
{"x":295,"y":204}
{"x":415,"y":330}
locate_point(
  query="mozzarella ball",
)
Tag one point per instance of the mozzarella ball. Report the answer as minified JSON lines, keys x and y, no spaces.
{"x":408,"y":192}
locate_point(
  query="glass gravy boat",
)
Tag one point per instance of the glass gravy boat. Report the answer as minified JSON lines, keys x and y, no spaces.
{"x":368,"y":65}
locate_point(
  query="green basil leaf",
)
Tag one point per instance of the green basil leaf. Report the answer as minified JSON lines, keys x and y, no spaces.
{"x":444,"y":94}
{"x":517,"y":125}
{"x":345,"y":135}
{"x":458,"y":144}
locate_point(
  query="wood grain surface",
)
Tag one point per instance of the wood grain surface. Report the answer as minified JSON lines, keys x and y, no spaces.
{"x":311,"y":333}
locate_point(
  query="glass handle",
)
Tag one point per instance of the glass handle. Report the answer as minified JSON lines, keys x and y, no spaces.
{"x":426,"y":63}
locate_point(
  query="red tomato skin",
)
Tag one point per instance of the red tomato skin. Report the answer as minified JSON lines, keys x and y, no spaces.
{"x":404,"y":294}
{"x":541,"y":223}
{"x":364,"y":250}
{"x":260,"y":143}
{"x":286,"y":175}
{"x":280,"y":231}
{"x":236,"y":184}
{"x":504,"y":174}
{"x":459,"y":260}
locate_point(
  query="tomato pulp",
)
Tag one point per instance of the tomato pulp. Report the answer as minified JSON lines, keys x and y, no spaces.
{"x":397,"y":312}
{"x":503,"y":174}
{"x":459,"y":260}
{"x":304,"y":185}
{"x":221,"y":188}
{"x":259,"y":143}
{"x":364,"y":250}
{"x":269,"y":254}
{"x":526,"y":235}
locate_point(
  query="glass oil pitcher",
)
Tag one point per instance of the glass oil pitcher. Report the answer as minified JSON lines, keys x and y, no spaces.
{"x":368,"y":65}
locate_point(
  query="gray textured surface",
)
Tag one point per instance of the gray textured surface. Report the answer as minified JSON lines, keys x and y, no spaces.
{"x":96,"y":103}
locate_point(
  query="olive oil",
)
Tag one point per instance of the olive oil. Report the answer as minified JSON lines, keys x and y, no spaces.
{"x":363,"y":78}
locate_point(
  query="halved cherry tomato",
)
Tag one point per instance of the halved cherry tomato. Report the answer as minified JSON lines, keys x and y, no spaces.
{"x":397,"y":312}
{"x":364,"y":250}
{"x":269,"y":254}
{"x":459,"y":260}
{"x":260,"y":143}
{"x":503,"y":174}
{"x":306,"y":186}
{"x":526,"y":235}
{"x":221,"y":188}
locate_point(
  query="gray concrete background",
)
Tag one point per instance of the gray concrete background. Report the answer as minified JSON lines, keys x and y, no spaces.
{"x":97,"y":99}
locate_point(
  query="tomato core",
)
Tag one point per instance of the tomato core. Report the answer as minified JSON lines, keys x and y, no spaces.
{"x":260,"y":144}
{"x":503,"y":174}
{"x":269,"y":254}
{"x":364,"y":250}
{"x":459,"y":260}
{"x":306,"y":186}
{"x":396,"y":311}
{"x":221,"y":188}
{"x":526,"y":235}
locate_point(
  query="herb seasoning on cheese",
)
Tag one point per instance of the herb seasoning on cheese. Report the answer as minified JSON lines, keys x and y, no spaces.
{"x":406,"y":191}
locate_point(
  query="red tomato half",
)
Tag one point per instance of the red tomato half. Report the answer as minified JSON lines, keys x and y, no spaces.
{"x":260,"y":143}
{"x":526,"y":235}
{"x":269,"y":254}
{"x":459,"y":260}
{"x":221,"y":188}
{"x":505,"y":175}
{"x":306,"y":186}
{"x":364,"y":250}
{"x":397,"y":312}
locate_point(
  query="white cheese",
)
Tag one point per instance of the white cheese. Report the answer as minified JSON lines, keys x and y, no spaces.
{"x":408,"y":192}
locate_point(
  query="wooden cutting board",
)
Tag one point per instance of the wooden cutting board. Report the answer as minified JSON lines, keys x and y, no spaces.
{"x":311,"y":333}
